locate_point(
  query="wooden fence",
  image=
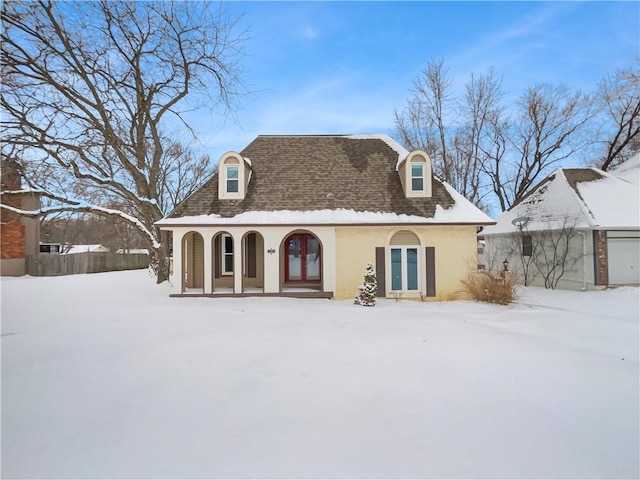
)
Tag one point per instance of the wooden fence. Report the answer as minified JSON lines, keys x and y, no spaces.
{"x":53,"y":264}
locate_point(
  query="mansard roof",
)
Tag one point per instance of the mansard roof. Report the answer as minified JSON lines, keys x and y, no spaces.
{"x":327,"y":172}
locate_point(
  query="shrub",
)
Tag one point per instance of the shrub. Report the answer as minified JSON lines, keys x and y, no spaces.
{"x":490,"y":287}
{"x":368,"y":290}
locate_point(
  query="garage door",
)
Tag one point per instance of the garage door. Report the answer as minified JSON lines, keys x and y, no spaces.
{"x":623,"y":254}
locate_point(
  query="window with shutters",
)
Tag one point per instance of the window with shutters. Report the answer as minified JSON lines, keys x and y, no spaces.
{"x":405,"y":268}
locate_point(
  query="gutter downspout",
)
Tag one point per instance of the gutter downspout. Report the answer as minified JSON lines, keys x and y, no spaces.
{"x":584,"y":259}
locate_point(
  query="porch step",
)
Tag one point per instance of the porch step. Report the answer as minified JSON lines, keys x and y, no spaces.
{"x":305,"y":294}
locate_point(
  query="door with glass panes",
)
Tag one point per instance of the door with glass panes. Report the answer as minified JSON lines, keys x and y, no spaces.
{"x":404,"y":269}
{"x":303,"y":259}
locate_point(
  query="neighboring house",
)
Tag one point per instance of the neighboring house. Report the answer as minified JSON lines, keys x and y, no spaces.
{"x":54,"y":248}
{"x":95,"y":248}
{"x":595,"y":213}
{"x":133,"y":251}
{"x":302,"y":216}
{"x":19,"y":235}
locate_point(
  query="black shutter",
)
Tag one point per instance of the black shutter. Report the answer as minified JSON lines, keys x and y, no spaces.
{"x":380,"y":272}
{"x":216,"y":256}
{"x":431,"y":271}
{"x":251,"y":255}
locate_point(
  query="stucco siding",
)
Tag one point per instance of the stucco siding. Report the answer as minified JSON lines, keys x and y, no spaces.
{"x":268,"y":266}
{"x":355,"y":247}
{"x":455,"y":251}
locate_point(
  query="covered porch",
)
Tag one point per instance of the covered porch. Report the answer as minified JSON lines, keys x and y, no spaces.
{"x":233,"y":261}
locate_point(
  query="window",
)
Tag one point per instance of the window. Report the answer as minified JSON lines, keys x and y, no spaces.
{"x":404,"y":268}
{"x":304,"y":258}
{"x":227,"y":254}
{"x":527,"y":246}
{"x":234,"y":173}
{"x":232,"y":178}
{"x":417,"y":177}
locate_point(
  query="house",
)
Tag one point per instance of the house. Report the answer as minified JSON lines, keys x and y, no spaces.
{"x":303,"y":215}
{"x":133,"y":251}
{"x":53,"y":248}
{"x":579,"y":228}
{"x":19,"y":235}
{"x":94,"y":248}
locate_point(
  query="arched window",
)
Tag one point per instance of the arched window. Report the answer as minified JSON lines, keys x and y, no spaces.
{"x":416,"y":174}
{"x":404,"y":262}
{"x":233,"y":176}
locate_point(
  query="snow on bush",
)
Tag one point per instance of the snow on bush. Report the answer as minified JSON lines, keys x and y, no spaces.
{"x":367,"y":290}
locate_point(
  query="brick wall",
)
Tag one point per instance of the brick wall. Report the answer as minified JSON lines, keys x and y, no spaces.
{"x":12,"y":238}
{"x":602,"y":258}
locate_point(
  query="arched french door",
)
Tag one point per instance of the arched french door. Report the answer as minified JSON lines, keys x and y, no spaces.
{"x":302,"y":259}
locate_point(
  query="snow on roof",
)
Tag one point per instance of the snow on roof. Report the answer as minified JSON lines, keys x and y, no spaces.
{"x":629,"y":170}
{"x":588,"y":198}
{"x":139,"y":251}
{"x":458,"y":213}
{"x":86,"y":248}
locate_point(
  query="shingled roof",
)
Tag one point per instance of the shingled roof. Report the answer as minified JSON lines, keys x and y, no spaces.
{"x":308,"y":173}
{"x":577,"y":197}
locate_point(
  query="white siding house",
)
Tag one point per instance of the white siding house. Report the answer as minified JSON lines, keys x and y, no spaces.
{"x":579,"y":228}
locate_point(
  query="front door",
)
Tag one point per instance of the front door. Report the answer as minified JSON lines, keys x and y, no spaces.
{"x":303,"y":258}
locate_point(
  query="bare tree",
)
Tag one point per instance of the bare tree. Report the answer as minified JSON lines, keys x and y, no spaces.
{"x":619,"y":101}
{"x":521,"y":246}
{"x":450,"y":130}
{"x":545,"y":253}
{"x":90,"y":90}
{"x":547,"y":130}
{"x":421,"y":123}
{"x":554,"y":256}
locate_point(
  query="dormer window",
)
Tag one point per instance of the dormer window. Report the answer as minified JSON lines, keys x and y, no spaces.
{"x":415,"y":174}
{"x":232,"y":178}
{"x":234,"y":173}
{"x":417,"y":177}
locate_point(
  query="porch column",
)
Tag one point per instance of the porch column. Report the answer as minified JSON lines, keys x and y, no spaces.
{"x":237,"y":262}
{"x":178,"y":273}
{"x":208,"y":263}
{"x":272,"y":239}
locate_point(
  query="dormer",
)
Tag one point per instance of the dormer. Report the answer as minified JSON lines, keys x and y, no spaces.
{"x":234,"y":173}
{"x":415,"y":175}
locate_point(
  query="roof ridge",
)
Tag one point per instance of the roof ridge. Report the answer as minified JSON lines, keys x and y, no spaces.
{"x":581,"y":202}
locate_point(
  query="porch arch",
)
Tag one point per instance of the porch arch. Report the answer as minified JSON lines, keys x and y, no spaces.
{"x":223,"y":250}
{"x":301,"y":261}
{"x":252,"y":262}
{"x":192,"y":263}
{"x":405,"y":272}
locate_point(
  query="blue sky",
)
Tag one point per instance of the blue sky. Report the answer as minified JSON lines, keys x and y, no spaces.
{"x":343,"y":67}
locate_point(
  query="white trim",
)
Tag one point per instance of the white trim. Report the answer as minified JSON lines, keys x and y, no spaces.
{"x":224,"y":254}
{"x":421,"y":158}
{"x":403,"y":259}
{"x":231,"y":159}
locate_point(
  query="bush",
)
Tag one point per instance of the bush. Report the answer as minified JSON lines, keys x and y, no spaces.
{"x":368,"y":290}
{"x":491,"y":288}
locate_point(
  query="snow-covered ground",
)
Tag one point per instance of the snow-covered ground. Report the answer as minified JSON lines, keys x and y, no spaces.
{"x":105,"y":376}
